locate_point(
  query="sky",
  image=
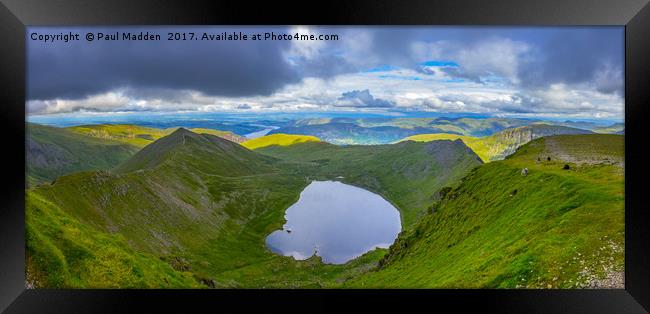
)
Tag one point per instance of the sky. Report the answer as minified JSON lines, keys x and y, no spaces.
{"x":561,"y":72}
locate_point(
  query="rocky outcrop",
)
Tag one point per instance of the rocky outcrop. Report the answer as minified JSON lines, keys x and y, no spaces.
{"x":507,"y":141}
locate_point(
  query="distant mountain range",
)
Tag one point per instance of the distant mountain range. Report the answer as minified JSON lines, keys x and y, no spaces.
{"x":372,"y":131}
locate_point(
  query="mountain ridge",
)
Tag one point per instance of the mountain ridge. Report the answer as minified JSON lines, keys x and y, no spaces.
{"x":230,"y":158}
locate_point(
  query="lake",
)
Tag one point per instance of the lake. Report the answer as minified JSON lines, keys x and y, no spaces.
{"x":337,"y":222}
{"x":261,"y":132}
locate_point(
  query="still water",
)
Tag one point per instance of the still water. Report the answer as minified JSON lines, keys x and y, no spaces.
{"x":337,"y":222}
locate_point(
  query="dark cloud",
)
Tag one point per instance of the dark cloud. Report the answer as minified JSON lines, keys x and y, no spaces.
{"x":576,"y":56}
{"x":244,"y":106}
{"x":75,"y":70}
{"x":362,"y":99}
{"x":569,"y":55}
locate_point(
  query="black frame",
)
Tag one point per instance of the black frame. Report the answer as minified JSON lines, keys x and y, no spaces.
{"x":14,"y":15}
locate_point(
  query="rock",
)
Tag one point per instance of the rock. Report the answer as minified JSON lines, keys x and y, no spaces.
{"x":211,"y":283}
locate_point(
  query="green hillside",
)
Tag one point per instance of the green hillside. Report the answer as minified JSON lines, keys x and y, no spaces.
{"x":552,"y":228}
{"x":278,"y":139}
{"x":52,"y":152}
{"x":409,"y":174}
{"x":501,"y":144}
{"x":62,"y":252}
{"x":205,"y":205}
{"x":141,"y":136}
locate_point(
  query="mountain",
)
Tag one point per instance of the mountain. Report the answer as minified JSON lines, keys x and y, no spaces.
{"x":52,"y":152}
{"x":278,"y":139}
{"x":616,"y":128}
{"x":551,"y":228}
{"x":141,"y":136}
{"x":503,"y":143}
{"x":348,"y":133}
{"x":204,"y":206}
{"x":507,"y":141}
{"x":202,"y":152}
{"x":479,"y":127}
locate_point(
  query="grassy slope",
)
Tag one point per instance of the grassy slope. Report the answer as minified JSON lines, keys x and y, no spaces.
{"x":52,"y":152}
{"x":140,"y":136}
{"x":278,"y":139}
{"x":561,"y":228}
{"x":213,"y":223}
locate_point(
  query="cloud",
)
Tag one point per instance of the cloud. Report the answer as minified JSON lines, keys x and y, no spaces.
{"x":102,"y":102}
{"x":492,"y":70}
{"x":362,"y":99}
{"x":533,"y":58}
{"x":490,"y":57}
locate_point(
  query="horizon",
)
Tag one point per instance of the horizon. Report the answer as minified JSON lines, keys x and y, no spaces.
{"x":137,"y":118}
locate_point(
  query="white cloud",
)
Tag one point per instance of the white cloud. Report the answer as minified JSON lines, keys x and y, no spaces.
{"x":488,"y":57}
{"x":307,"y":49}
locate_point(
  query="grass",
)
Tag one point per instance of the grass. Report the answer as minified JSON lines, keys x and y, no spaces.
{"x":278,"y":139}
{"x":62,"y":252}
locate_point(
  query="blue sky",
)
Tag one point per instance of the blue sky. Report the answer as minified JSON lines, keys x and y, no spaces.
{"x":562,"y":72}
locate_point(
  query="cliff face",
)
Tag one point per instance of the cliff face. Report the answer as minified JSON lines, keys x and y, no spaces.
{"x":507,"y":141}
